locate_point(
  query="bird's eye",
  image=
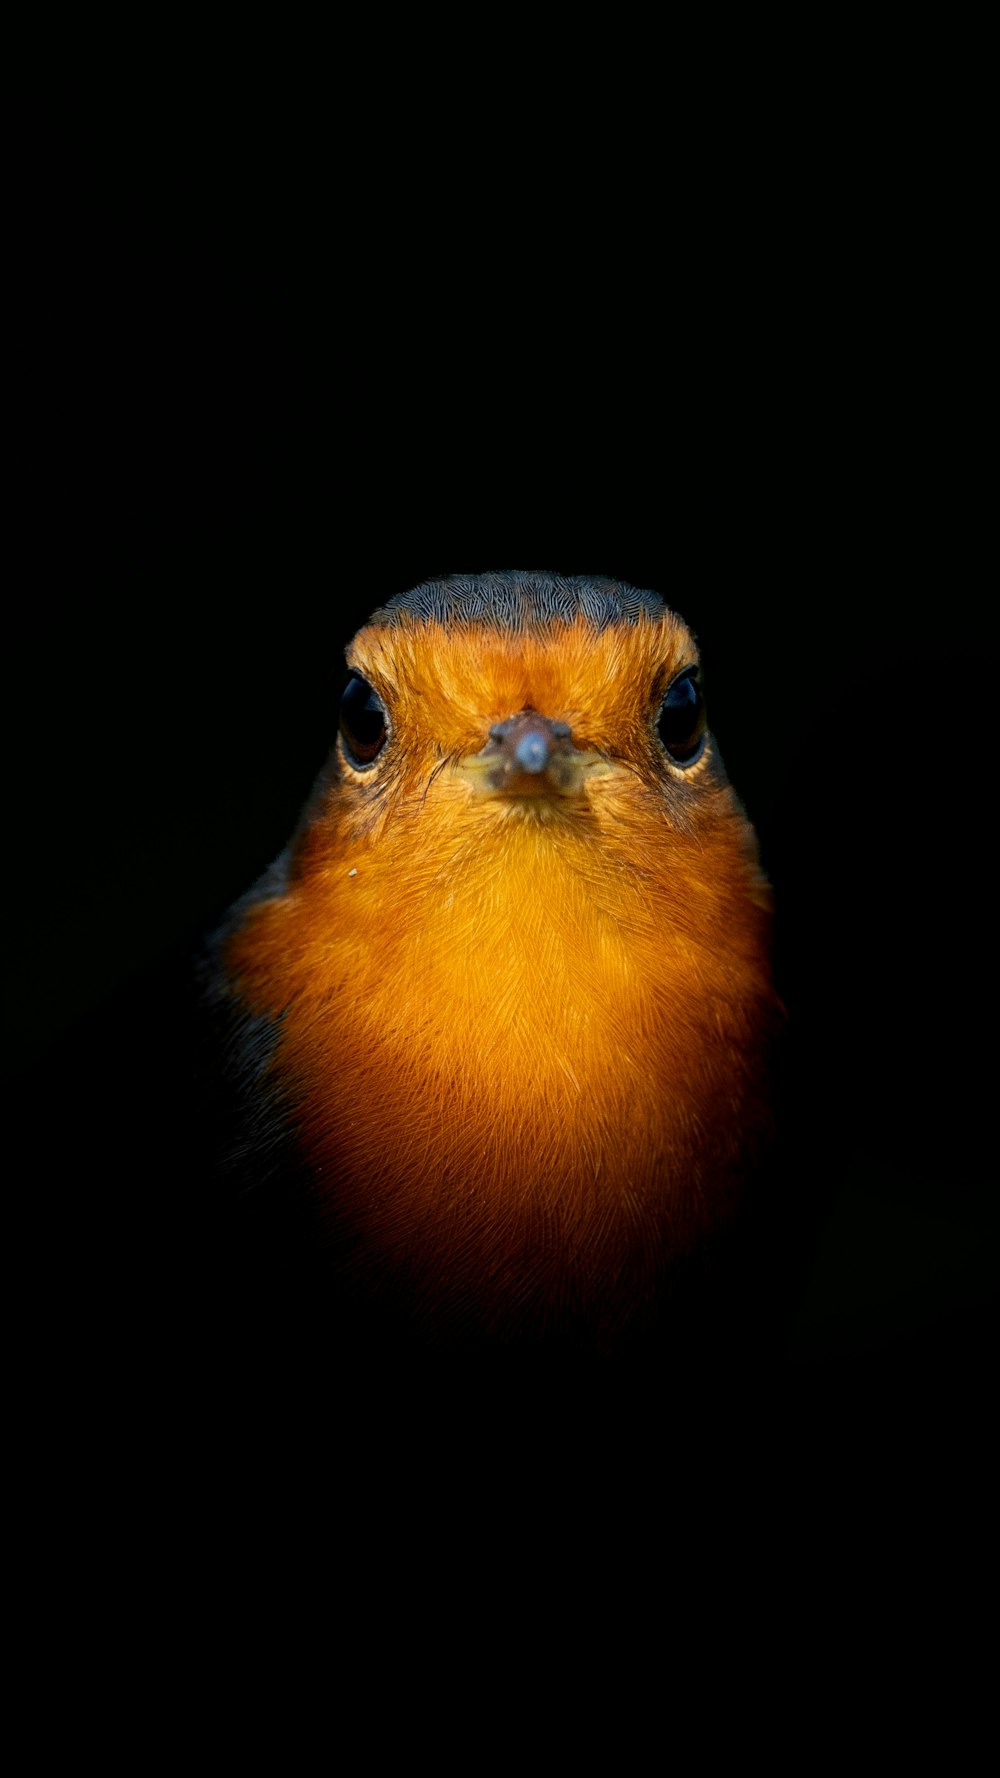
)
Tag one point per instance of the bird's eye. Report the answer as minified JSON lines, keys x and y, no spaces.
{"x":363,"y":722}
{"x":681,"y":722}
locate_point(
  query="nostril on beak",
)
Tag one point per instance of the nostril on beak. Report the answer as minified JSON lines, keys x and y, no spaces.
{"x":532,"y":751}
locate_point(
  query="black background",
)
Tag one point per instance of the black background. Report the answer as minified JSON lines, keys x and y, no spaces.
{"x":259,"y":404}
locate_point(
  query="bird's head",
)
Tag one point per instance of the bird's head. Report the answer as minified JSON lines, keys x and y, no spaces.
{"x":479,"y":705}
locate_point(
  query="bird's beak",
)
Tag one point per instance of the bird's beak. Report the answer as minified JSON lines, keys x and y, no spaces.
{"x":529,"y":755}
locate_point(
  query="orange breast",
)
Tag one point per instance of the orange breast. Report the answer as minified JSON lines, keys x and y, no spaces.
{"x":526,"y":1051}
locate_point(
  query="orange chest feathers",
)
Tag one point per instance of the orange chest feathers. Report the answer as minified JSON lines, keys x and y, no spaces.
{"x":523,"y":1051}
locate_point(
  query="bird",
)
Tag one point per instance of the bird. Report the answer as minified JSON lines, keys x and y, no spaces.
{"x":499,"y":1023}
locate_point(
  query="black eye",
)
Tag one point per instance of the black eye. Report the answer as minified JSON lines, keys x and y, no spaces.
{"x":681,"y":722}
{"x":363,"y":724}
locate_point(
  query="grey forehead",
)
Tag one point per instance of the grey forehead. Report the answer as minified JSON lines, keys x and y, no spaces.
{"x":511,"y":600}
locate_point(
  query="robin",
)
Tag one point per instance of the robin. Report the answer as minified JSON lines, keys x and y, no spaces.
{"x":503,"y":1009}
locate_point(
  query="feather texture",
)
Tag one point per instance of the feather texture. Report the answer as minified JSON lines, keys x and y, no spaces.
{"x":521,"y":1041}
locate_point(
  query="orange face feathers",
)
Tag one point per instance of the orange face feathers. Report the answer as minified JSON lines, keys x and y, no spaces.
{"x":516,"y":961}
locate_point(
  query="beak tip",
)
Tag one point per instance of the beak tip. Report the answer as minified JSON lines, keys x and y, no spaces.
{"x":532,"y":752}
